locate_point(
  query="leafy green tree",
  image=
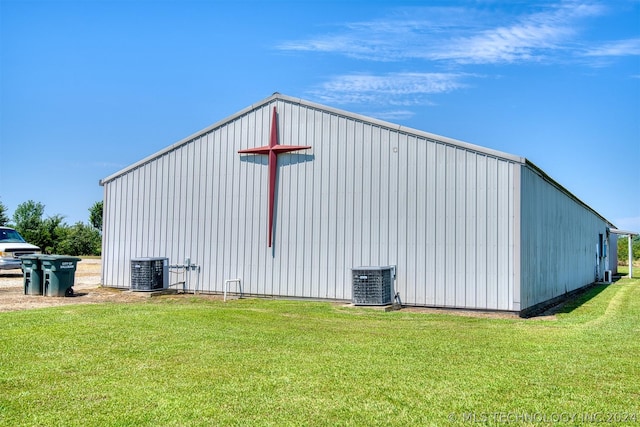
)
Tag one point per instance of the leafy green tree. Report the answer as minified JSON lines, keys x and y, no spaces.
{"x":95,"y":215}
{"x":623,"y":249}
{"x":43,"y":232}
{"x":52,"y":231}
{"x":80,"y":239}
{"x":28,"y":221}
{"x":4,"y":219}
{"x":52,"y":235}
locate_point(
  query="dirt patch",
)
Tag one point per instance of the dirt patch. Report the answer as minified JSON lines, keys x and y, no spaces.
{"x":86,"y":287}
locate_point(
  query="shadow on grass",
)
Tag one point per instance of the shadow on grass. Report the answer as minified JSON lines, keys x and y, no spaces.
{"x":573,"y":300}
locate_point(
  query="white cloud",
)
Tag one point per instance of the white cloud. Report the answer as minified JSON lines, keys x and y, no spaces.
{"x":391,"y":89}
{"x":628,"y":47}
{"x":455,"y":35}
{"x":453,"y":38}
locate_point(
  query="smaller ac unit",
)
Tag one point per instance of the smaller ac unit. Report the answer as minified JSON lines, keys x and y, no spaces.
{"x":372,"y":285}
{"x":149,"y":274}
{"x":607,"y":276}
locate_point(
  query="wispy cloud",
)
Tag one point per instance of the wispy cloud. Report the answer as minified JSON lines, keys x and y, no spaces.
{"x":530,"y":38}
{"x":453,"y":38}
{"x":454,"y":35}
{"x":390,"y":89}
{"x":629,"y":47}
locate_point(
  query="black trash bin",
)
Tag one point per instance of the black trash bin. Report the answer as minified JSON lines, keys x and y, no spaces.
{"x":32,"y":274}
{"x":58,"y":275}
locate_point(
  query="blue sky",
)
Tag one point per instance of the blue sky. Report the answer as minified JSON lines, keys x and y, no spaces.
{"x":89,"y":87}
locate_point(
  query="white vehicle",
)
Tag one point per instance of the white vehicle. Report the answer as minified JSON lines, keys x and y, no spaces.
{"x":12,"y":247}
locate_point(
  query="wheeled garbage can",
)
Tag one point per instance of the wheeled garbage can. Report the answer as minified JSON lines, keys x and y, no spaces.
{"x":58,"y":275}
{"x":32,"y":274}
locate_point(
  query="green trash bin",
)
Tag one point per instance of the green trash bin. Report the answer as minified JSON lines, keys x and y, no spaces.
{"x":58,"y":274}
{"x":32,"y":274}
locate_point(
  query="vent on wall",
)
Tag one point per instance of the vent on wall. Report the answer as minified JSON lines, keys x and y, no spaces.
{"x":149,"y":274}
{"x":372,"y":285}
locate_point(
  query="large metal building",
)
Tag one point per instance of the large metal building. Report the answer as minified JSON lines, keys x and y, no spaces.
{"x":289,"y":196}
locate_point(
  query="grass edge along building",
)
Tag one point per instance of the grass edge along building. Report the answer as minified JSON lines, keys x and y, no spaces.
{"x":288,"y":196}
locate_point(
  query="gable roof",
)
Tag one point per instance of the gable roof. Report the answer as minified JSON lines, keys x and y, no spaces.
{"x":298,"y":101}
{"x":361,"y":118}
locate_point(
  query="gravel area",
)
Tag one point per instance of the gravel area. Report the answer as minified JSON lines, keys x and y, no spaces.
{"x":86,"y":288}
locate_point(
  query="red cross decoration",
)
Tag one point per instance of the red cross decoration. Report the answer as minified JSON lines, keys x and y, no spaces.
{"x":272,"y":151}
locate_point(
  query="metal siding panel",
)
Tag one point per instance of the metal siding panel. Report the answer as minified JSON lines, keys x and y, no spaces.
{"x":292,"y":163}
{"x":144,"y":187}
{"x":340,"y":242}
{"x":365,"y":196}
{"x":384,"y":192}
{"x":372,"y":199}
{"x":401,"y":220}
{"x":174,"y":210}
{"x":481,"y":233}
{"x":409,"y":212}
{"x":348,"y":170}
{"x":239,"y":195}
{"x":108,"y":235}
{"x":258,"y":217}
{"x":503,"y":228}
{"x":148,"y":218}
{"x":558,"y":241}
{"x":332,"y":206}
{"x":128,"y":229}
{"x":358,"y":191}
{"x":210,"y":206}
{"x":184,"y":202}
{"x":396,"y":141}
{"x":492,"y":233}
{"x":326,"y":290}
{"x":317,"y":261}
{"x":200,"y":194}
{"x":450,"y":227}
{"x":173,"y":161}
{"x":307,"y":255}
{"x":419,"y":277}
{"x":430,"y":225}
{"x":461,"y":230}
{"x":221,"y":197}
{"x":440,"y":231}
{"x":517,"y":246}
{"x":511,"y":241}
{"x":238,"y":192}
{"x":157,"y":206}
{"x":470,"y":266}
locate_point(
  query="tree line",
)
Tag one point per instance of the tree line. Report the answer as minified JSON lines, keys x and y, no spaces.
{"x":623,"y":249}
{"x":52,"y":234}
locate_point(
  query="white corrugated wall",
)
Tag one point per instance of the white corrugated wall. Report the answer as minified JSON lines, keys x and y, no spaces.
{"x":365,"y":194}
{"x":559,"y":240}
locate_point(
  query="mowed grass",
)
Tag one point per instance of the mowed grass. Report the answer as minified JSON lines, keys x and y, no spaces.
{"x":189,"y":361}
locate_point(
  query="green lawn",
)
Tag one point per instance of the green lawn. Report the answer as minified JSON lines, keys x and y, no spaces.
{"x":190,"y":361}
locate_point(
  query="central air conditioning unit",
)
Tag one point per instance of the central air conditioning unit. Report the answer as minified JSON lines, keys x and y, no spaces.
{"x":149,"y":274}
{"x":607,"y":276}
{"x":372,"y":285}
